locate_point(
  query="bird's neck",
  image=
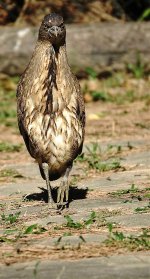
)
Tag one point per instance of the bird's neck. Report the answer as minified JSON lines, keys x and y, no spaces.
{"x":46,"y":57}
{"x":49,"y":76}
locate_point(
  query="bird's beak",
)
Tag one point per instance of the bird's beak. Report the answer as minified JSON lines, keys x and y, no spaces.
{"x":54,"y":30}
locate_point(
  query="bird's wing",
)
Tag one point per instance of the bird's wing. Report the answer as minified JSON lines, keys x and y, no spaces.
{"x":20,"y":108}
{"x":25,"y":137}
{"x":80,"y":110}
{"x":80,"y":104}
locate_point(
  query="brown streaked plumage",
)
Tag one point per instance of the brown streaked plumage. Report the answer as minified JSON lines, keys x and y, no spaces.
{"x":50,"y":106}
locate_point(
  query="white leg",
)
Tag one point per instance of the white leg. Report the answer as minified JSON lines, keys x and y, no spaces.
{"x":50,"y":198}
{"x":63,"y":190}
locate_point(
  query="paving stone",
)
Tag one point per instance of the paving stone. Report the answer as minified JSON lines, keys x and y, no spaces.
{"x":136,"y":220}
{"x":130,"y":266}
{"x":134,"y":265}
{"x":139,"y":159}
{"x":71,"y":240}
{"x":117,"y":180}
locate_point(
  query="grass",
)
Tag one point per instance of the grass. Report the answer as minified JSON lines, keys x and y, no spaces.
{"x":145,"y":14}
{"x":78,"y":225}
{"x":98,"y":160}
{"x":34,"y":229}
{"x":13,"y":235}
{"x":11,"y":218}
{"x":130,"y":242}
{"x":8,"y":108}
{"x":9,"y":147}
{"x":97,"y":219}
{"x":119,"y":87}
{"x":133,"y":189}
{"x":143,"y":209}
{"x":132,"y":193}
{"x":10,"y":173}
{"x":8,"y":87}
{"x":138,"y":68}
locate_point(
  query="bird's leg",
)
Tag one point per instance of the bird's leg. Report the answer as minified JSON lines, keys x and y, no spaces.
{"x":63,"y":190}
{"x":51,"y":202}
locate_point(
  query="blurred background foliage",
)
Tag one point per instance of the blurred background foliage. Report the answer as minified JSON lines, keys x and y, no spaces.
{"x":127,"y":86}
{"x":74,"y":11}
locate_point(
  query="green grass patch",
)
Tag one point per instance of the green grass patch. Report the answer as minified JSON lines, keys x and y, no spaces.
{"x":100,"y":160}
{"x":70,"y":223}
{"x":10,"y":173}
{"x":8,"y":101}
{"x":143,"y":209}
{"x":132,"y":193}
{"x":133,"y":189}
{"x":9,"y":147}
{"x":11,"y":218}
{"x":131,"y":242}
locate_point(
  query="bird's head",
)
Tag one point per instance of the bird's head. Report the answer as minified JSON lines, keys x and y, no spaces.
{"x":52,"y":29}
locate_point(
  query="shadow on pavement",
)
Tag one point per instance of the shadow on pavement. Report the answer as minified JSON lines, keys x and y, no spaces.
{"x":74,"y":194}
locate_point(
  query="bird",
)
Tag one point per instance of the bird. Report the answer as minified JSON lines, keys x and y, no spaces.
{"x":51,"y":109}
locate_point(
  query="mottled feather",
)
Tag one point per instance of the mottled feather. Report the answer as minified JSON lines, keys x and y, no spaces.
{"x":51,"y":114}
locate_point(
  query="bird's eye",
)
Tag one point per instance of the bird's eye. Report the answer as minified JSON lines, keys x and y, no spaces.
{"x":46,"y":25}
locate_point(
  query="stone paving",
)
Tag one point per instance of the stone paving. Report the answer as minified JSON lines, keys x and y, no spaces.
{"x":91,"y":193}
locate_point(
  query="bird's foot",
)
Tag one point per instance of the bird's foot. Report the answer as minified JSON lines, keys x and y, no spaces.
{"x":63,"y":193}
{"x":52,"y":204}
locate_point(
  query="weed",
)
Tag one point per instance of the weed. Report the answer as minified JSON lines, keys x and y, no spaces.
{"x":128,"y":96}
{"x":5,"y":239}
{"x":117,"y":147}
{"x":130,"y":146}
{"x":10,"y":173}
{"x":91,"y":219}
{"x":133,"y":189}
{"x":36,"y":269}
{"x":132,"y":242}
{"x":104,"y":166}
{"x":2,"y":205}
{"x":91,"y":73}
{"x":34,"y":229}
{"x":81,"y":158}
{"x":58,"y":240}
{"x":11,"y":218}
{"x":100,"y":96}
{"x":10,"y":232}
{"x":72,"y":224}
{"x":137,"y":69}
{"x":80,"y":225}
{"x":7,"y":100}
{"x":82,"y":238}
{"x":75,"y":179}
{"x":67,"y":234}
{"x":145,"y":14}
{"x":93,"y":157}
{"x":142,"y":125}
{"x":143,"y":209}
{"x":8,"y":147}
{"x":116,"y":80}
{"x":132,"y":193}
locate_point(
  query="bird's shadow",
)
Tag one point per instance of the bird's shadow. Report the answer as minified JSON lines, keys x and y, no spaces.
{"x":74,"y":194}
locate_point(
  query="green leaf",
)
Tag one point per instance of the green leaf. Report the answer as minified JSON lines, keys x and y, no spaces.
{"x":91,"y":72}
{"x":145,"y":14}
{"x":110,"y":227}
{"x":30,"y":229}
{"x":82,"y":238}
